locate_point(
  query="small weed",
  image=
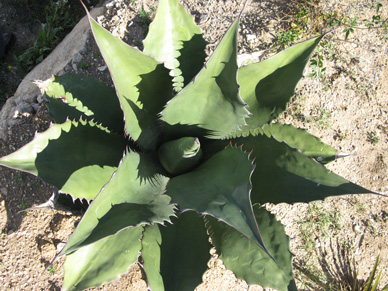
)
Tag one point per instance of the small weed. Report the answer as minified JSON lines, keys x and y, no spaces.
{"x":2,"y":263}
{"x":351,"y":24}
{"x":353,"y":201}
{"x":318,"y":220}
{"x":312,"y":278}
{"x":359,"y":206}
{"x":83,"y":66}
{"x":23,"y":205}
{"x":60,"y":19}
{"x":373,"y":138}
{"x":287,"y":37}
{"x":323,"y":53}
{"x":51,"y":270}
{"x":12,"y":69}
{"x":323,"y":118}
{"x":146,"y":18}
{"x":19,"y":176}
{"x":36,"y":184}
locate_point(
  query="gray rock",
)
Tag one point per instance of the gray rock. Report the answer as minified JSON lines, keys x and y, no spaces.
{"x":30,"y":98}
{"x":35,"y":106}
{"x":41,"y":99}
{"x":28,"y":93}
{"x":77,"y":58}
{"x":22,"y":109}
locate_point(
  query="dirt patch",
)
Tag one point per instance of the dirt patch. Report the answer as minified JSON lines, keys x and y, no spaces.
{"x":347,"y":108}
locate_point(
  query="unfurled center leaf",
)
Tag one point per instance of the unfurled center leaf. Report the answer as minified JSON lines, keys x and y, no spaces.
{"x":179,"y":156}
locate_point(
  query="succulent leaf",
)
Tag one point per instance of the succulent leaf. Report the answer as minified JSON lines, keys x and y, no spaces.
{"x":301,"y":140}
{"x":248,"y":261}
{"x":220,"y":187}
{"x":185,"y":252}
{"x":284,"y":174}
{"x":268,"y":86}
{"x":150,"y":253}
{"x":73,"y":96}
{"x":143,"y":86}
{"x":211,"y":102}
{"x":175,"y":40}
{"x":78,"y":158}
{"x":93,"y":265}
{"x":134,"y":196}
{"x":179,"y":156}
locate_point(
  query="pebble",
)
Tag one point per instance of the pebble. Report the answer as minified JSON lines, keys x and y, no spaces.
{"x":102,"y":68}
{"x":36,"y":106}
{"x":251,"y":37}
{"x":357,"y":228}
{"x":42,"y":99}
{"x":77,"y":58}
{"x":60,"y":246}
{"x":4,"y":191}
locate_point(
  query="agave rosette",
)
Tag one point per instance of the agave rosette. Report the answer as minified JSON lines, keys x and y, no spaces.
{"x":177,"y":152}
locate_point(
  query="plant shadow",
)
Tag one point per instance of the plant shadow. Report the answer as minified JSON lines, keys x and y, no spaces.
{"x":337,"y":269}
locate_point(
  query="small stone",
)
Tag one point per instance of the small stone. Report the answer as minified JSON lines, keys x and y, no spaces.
{"x":251,"y":37}
{"x":36,"y":106}
{"x":100,"y":19}
{"x":203,"y":18}
{"x":29,"y":98}
{"x":77,"y":58}
{"x":4,"y":191}
{"x":102,"y":68}
{"x":42,"y":99}
{"x":10,"y":232}
{"x":109,"y":6}
{"x":60,"y":246}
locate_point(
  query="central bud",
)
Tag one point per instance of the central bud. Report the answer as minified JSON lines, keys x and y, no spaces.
{"x":180,"y":155}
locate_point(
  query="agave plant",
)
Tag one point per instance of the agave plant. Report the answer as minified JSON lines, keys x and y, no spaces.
{"x":178,"y":152}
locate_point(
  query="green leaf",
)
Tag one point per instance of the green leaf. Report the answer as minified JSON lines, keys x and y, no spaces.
{"x":211,"y":102}
{"x":73,"y":96}
{"x":175,"y":40}
{"x":220,"y":187}
{"x":102,"y":261}
{"x":247,"y":260}
{"x":150,"y":253}
{"x":180,"y":155}
{"x":301,"y":140}
{"x":268,"y":86}
{"x":78,"y":158}
{"x":284,"y":174}
{"x":185,"y":252}
{"x":142,"y":85}
{"x":134,"y":196}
